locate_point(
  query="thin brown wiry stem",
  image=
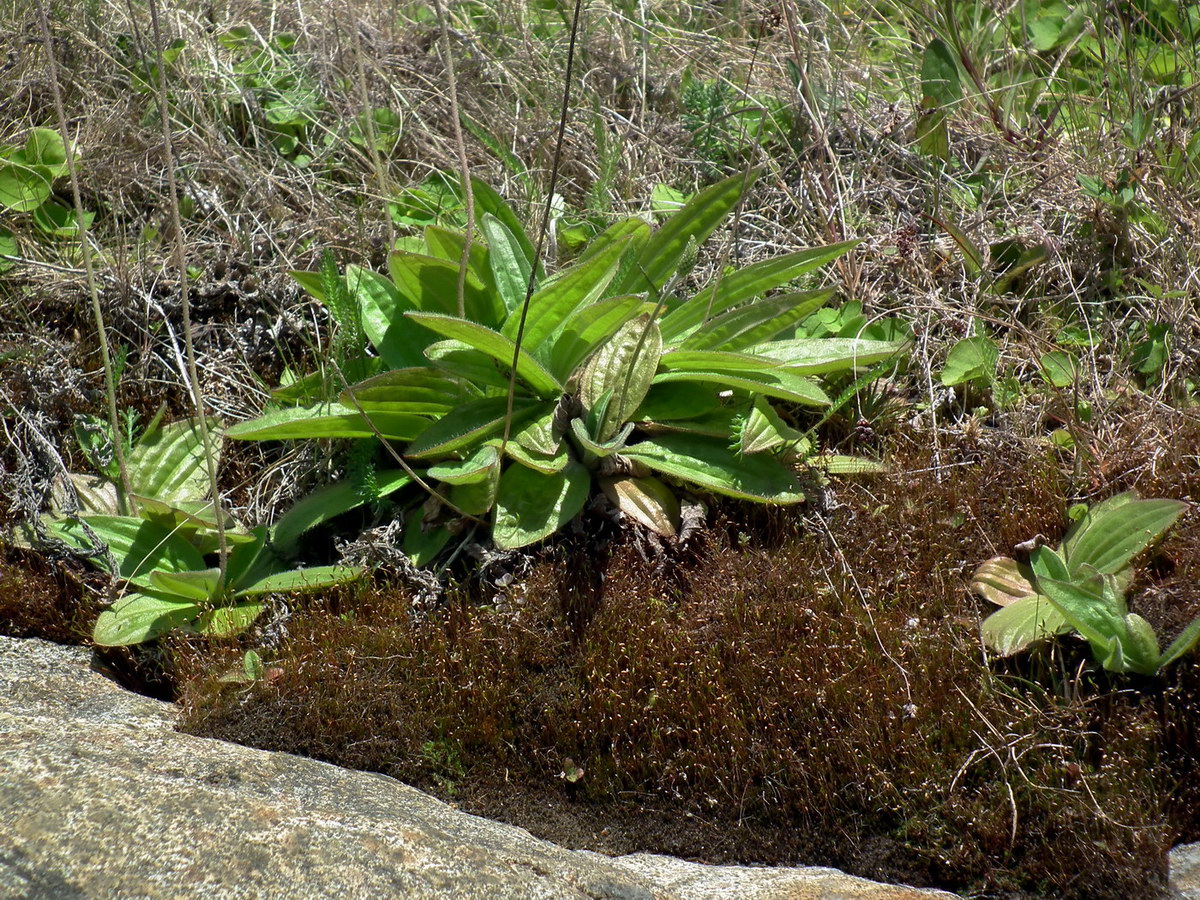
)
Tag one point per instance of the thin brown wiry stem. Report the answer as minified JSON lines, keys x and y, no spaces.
{"x":110,"y":386}
{"x":463,"y":164}
{"x":206,"y":436}
{"x":544,"y":230}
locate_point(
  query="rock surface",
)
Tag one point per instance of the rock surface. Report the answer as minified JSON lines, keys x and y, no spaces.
{"x":99,"y":797}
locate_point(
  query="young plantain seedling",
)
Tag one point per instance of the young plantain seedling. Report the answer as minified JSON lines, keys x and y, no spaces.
{"x":1081,"y":587}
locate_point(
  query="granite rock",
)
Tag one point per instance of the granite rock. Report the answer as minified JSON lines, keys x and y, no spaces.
{"x":101,"y":797}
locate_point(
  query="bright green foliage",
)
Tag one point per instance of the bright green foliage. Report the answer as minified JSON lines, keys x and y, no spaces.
{"x":1081,"y":587}
{"x":609,"y":354}
{"x":165,"y":553}
{"x":27,"y":176}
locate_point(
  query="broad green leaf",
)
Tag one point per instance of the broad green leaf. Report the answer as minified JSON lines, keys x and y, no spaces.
{"x":327,"y":420}
{"x":556,"y":299}
{"x":538,"y":436}
{"x":476,"y":498}
{"x":647,"y":501}
{"x":510,"y":266}
{"x":471,"y":424}
{"x":58,"y":221}
{"x":431,"y":285}
{"x":709,"y":463}
{"x":590,"y":326}
{"x":716,"y":361}
{"x":971,"y":359}
{"x":495,"y":345}
{"x":763,"y":429}
{"x":45,"y":147}
{"x":8,"y":247}
{"x":324,"y":384}
{"x":474,"y":468}
{"x":488,"y":202}
{"x":23,"y":188}
{"x":623,"y":368}
{"x":138,"y":547}
{"x":137,"y":618}
{"x":595,"y":448}
{"x":227,"y":621}
{"x":196,"y":586}
{"x":755,"y":323}
{"x":448,"y":245}
{"x":1001,"y":581}
{"x":1059,"y":368}
{"x":821,"y":356}
{"x":531,"y":506}
{"x":1112,"y":533}
{"x":294,"y":580}
{"x":636,"y":230}
{"x":778,"y":383}
{"x":1083,"y":606}
{"x":735,"y":288}
{"x":839,"y":464}
{"x":397,"y":339}
{"x":1184,"y":643}
{"x":168,"y":464}
{"x":1140,"y":648}
{"x":326,"y":503}
{"x":467,"y":364}
{"x":547,"y":463}
{"x":420,"y":391}
{"x":422,"y":545}
{"x":1021,"y":624}
{"x":677,"y":401}
{"x":659,"y":258}
{"x":311,"y":282}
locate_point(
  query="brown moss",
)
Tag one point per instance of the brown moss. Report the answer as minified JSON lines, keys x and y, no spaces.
{"x":803,"y":690}
{"x":44,"y":599}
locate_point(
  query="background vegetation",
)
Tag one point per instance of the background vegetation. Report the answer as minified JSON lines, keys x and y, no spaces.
{"x":792,"y":684}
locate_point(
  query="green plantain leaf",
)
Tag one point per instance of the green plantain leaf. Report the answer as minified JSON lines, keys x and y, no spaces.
{"x":1187,"y":639}
{"x":326,"y":503}
{"x":1021,"y":624}
{"x":755,"y":322}
{"x":771,"y":382}
{"x":531,"y":506}
{"x":622,"y":369}
{"x":227,"y":621}
{"x":1113,"y":532}
{"x":168,"y":464}
{"x":140,"y":617}
{"x":659,"y":258}
{"x":470,"y":424}
{"x":510,"y":266}
{"x":138,"y":547}
{"x":420,"y":391}
{"x":735,"y":288}
{"x":709,"y":463}
{"x":474,"y":468}
{"x":398,"y":340}
{"x":551,"y":304}
{"x":488,"y":202}
{"x":495,"y":345}
{"x":467,"y":364}
{"x":327,"y":420}
{"x":764,"y":429}
{"x":311,"y":579}
{"x":821,"y":356}
{"x":590,"y":326}
{"x":195,"y":586}
{"x":431,"y":285}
